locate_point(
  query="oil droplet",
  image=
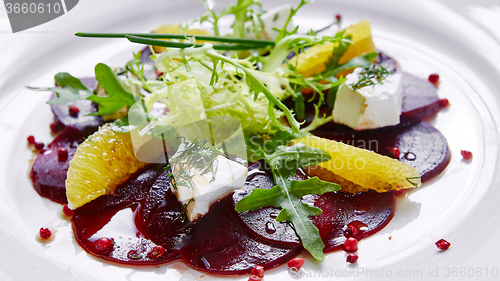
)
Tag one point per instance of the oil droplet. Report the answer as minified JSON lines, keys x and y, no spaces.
{"x":273,"y":215}
{"x":410,"y":156}
{"x":270,"y":228}
{"x":359,"y":212}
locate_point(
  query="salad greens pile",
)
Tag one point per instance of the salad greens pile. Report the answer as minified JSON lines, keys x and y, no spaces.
{"x":247,"y":79}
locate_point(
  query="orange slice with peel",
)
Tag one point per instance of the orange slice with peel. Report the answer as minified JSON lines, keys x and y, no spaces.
{"x":357,"y":170}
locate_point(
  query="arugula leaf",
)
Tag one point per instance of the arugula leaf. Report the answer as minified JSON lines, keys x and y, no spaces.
{"x":70,"y":88}
{"x":298,"y":155}
{"x":287,"y":194}
{"x":266,"y":145}
{"x":118,"y":96}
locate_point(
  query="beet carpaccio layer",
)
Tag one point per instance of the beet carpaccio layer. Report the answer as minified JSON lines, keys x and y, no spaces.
{"x":144,"y":221}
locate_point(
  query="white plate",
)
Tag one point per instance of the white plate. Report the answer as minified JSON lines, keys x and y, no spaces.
{"x":461,"y":205}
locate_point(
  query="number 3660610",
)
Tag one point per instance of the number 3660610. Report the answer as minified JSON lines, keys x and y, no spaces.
{"x":33,"y":8}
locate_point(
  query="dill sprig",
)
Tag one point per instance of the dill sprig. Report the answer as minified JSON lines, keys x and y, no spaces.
{"x":371,"y":75}
{"x":196,"y":155}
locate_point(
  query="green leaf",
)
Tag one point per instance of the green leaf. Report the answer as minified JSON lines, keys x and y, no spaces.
{"x":300,"y":106}
{"x":362,"y":61}
{"x":337,"y":53}
{"x":287,"y":159}
{"x":240,"y":13}
{"x":312,"y":186}
{"x":257,"y":145}
{"x":287,"y":194}
{"x":260,"y":198}
{"x":118,"y":96}
{"x":70,"y":88}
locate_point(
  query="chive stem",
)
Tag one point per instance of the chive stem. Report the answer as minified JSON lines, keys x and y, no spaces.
{"x":170,"y":44}
{"x":255,"y":42}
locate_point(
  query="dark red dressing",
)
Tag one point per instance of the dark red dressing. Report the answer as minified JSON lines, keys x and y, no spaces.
{"x":130,"y":247}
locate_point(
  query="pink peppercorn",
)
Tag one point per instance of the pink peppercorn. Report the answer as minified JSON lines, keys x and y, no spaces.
{"x":258,"y":271}
{"x":351,"y":244}
{"x":352,"y":258}
{"x":443,"y":244}
{"x":444,"y":102}
{"x":466,"y":154}
{"x":39,"y":145}
{"x":45,"y":233}
{"x":434,"y":79}
{"x":31,"y":140}
{"x":73,"y":111}
{"x":395,"y":152}
{"x":254,"y":278}
{"x":62,"y":154}
{"x":296,"y":263}
{"x":67,"y":211}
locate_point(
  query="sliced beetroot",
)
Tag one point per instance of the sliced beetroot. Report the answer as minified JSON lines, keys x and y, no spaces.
{"x":421,"y":145}
{"x":64,"y":114}
{"x":160,"y":214}
{"x":48,"y":172}
{"x":368,"y":212}
{"x":262,"y":222}
{"x":91,"y":223}
{"x":420,"y":99}
{"x":218,"y":243}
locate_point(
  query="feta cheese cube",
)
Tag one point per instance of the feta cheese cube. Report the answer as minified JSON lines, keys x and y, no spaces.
{"x":200,"y":190}
{"x":369,"y":107}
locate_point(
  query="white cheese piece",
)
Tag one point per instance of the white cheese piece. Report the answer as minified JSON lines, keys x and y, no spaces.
{"x":369,"y":107}
{"x":201,"y":190}
{"x":275,"y":18}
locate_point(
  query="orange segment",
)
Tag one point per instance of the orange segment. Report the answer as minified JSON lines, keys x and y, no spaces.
{"x":101,"y":163}
{"x":357,"y":170}
{"x":313,"y":60}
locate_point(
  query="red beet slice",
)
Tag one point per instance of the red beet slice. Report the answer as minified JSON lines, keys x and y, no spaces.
{"x":89,"y":219}
{"x":48,"y":173}
{"x":420,"y":99}
{"x":160,"y":214}
{"x":369,"y":212}
{"x":82,"y":121}
{"x":422,"y":146}
{"x":218,"y":243}
{"x":262,"y":222}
